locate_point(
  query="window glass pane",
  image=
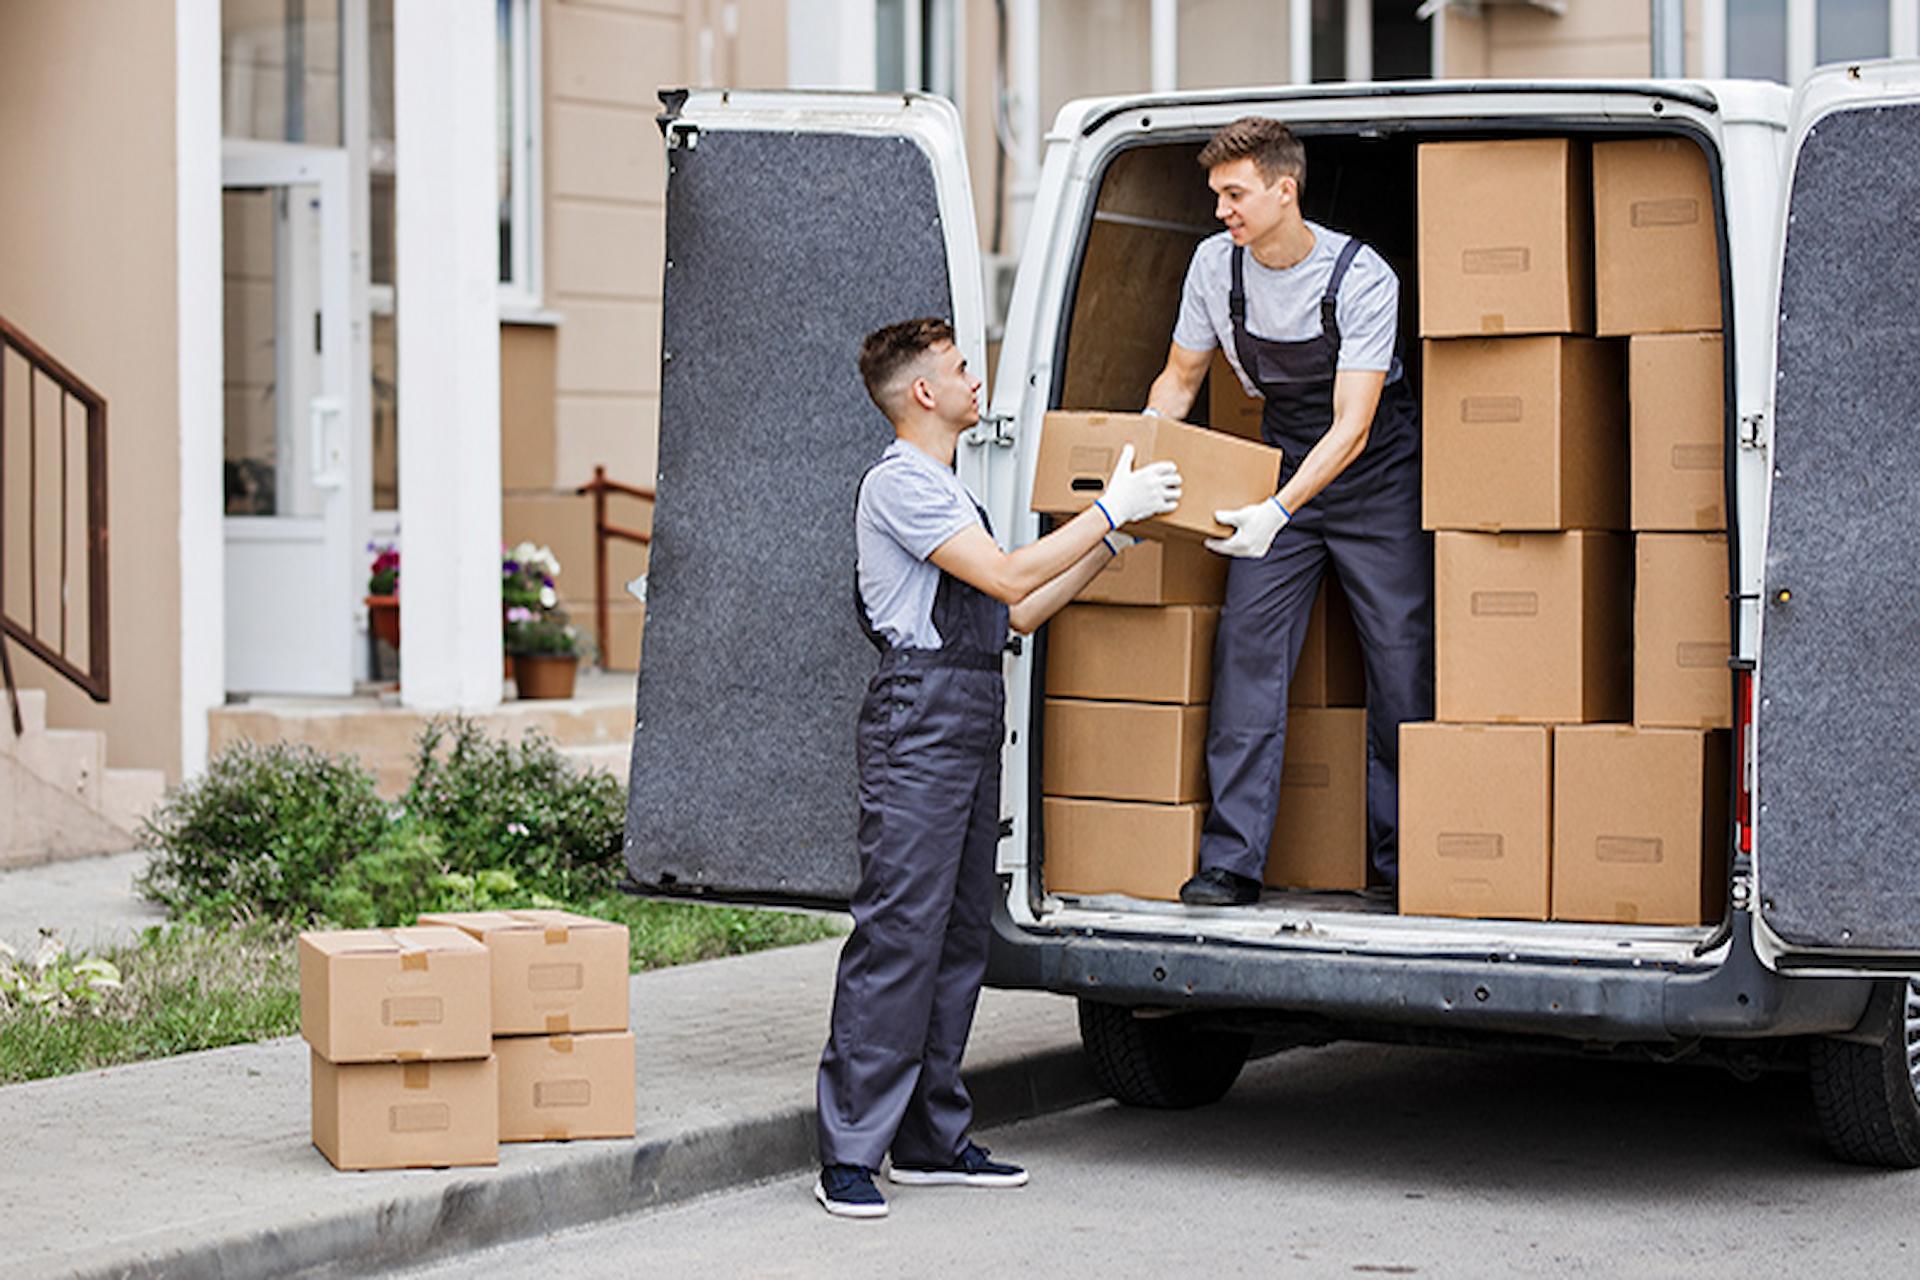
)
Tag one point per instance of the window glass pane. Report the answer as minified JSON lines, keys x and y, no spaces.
{"x":507,"y":110}
{"x":380,"y":74}
{"x":1849,"y":30}
{"x":1402,"y":41}
{"x":1757,"y":39}
{"x":890,"y":44}
{"x":280,"y":70}
{"x":386,"y":415}
{"x":1329,"y":40}
{"x":251,"y":313}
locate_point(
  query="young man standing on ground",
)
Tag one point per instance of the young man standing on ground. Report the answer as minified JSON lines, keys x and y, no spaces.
{"x":1309,"y":318}
{"x":936,"y":596}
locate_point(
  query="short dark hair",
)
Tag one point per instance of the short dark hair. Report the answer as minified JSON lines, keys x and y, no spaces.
{"x":884,"y":353}
{"x":1275,"y":152}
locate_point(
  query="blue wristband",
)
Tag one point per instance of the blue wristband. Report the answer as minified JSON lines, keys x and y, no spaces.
{"x":1108,"y":544}
{"x":1111,"y":526}
{"x":1275,"y":500}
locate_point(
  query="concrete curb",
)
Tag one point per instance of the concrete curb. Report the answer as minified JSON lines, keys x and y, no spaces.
{"x":608,"y":1179}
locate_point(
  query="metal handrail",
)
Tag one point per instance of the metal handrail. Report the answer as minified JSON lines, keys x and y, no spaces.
{"x":36,"y":635}
{"x":600,"y":487}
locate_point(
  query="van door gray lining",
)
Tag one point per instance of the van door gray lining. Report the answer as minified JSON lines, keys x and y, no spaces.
{"x":784,"y":250}
{"x":1839,"y":719}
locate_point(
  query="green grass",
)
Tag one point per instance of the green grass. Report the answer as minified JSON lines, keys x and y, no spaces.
{"x":189,"y":988}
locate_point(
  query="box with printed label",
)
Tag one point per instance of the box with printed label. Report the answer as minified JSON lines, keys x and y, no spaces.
{"x":1639,"y":824}
{"x":1518,"y":262}
{"x":554,"y":1087}
{"x":1320,"y":831}
{"x":391,"y":995}
{"x":1677,"y":409}
{"x":406,"y":1115}
{"x":1114,"y":653}
{"x":1125,"y":751}
{"x":1655,"y":251}
{"x":1524,"y":433}
{"x":1120,"y":846}
{"x":1160,"y":571}
{"x":1229,"y":407}
{"x":1681,"y":632}
{"x":1331,"y":671}
{"x":1476,"y":820}
{"x":1078,"y":452}
{"x":553,"y":971}
{"x":1532,"y":627}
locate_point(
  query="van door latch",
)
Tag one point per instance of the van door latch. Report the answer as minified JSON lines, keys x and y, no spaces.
{"x":994,"y":429}
{"x":1751,"y":427}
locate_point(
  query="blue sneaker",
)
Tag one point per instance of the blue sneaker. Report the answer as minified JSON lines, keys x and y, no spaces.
{"x":847,"y":1191}
{"x":970,"y":1168}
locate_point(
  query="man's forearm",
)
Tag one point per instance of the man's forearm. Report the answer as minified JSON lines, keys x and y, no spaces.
{"x":1336,"y":451}
{"x":1169,"y":396}
{"x":1027,"y":616}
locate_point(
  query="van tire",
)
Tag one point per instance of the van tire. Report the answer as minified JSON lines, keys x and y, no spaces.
{"x":1864,"y":1093}
{"x":1166,"y":1063}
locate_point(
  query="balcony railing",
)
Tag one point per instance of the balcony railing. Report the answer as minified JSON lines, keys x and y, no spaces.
{"x":600,"y":486}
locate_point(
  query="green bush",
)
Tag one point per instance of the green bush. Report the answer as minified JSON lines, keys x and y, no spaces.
{"x":391,"y":883}
{"x":263,"y":833}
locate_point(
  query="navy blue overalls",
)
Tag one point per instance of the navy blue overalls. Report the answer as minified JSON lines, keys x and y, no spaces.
{"x":928,"y":749}
{"x":1368,"y":523}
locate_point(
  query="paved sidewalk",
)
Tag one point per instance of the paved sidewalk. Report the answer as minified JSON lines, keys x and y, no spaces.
{"x":88,"y":902}
{"x":202,"y":1165}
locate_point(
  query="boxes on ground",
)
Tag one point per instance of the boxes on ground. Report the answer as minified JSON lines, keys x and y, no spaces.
{"x":1505,"y":238}
{"x":1117,"y":846}
{"x":1169,"y":571}
{"x":388,"y":995}
{"x":1119,"y":654}
{"x":1320,"y":831}
{"x":571,"y":1086}
{"x":1639,"y":824}
{"x":553,"y":971}
{"x":1331,"y":672}
{"x":1229,"y":407}
{"x":1656,"y":254}
{"x":1125,"y":751}
{"x":1524,"y":433}
{"x":1676,"y":395}
{"x":1217,"y":471}
{"x":406,"y":1115}
{"x":1532,"y":626}
{"x":1681,"y":635}
{"x":1476,"y":820}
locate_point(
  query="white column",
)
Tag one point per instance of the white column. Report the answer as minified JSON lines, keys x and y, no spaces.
{"x":1437,"y":48}
{"x":1803,"y":34}
{"x":1023,"y":57}
{"x":1165,"y":75}
{"x":1713,"y":39}
{"x":1904,"y":40}
{"x":447,"y":293}
{"x":1359,"y":40}
{"x":1300,"y":41}
{"x":200,"y":352}
{"x":832,"y":46}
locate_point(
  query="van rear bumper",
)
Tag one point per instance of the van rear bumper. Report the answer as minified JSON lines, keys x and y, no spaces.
{"x":1736,"y":998}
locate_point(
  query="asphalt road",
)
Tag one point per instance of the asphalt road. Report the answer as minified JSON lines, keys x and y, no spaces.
{"x":1349,"y":1160}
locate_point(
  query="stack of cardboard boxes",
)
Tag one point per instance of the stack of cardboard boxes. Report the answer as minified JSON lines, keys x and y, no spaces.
{"x":1532,"y":797}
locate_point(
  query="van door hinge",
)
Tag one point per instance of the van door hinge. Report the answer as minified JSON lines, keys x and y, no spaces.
{"x":1752,"y":427}
{"x":994,"y":429}
{"x":682,"y":135}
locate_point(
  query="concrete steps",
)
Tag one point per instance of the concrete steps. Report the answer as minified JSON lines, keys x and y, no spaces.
{"x":61,"y":798}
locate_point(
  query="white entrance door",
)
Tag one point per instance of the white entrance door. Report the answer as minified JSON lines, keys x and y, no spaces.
{"x":288,"y":483}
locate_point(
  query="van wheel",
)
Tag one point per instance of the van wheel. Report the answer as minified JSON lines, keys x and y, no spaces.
{"x":1166,"y":1063}
{"x":1866,"y":1094}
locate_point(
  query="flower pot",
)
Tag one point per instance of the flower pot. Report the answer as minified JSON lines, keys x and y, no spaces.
{"x":383,"y":616}
{"x":545,"y":675}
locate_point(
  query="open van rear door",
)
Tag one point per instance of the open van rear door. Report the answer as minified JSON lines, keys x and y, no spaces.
{"x":796,"y":224}
{"x":1837,"y":775}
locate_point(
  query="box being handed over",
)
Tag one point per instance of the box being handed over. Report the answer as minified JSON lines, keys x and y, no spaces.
{"x":1217,"y":471}
{"x":554,"y":972}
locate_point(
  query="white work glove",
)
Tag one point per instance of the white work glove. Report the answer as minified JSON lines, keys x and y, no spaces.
{"x":1134,"y":495}
{"x":1254,"y":528}
{"x":1117,"y":541}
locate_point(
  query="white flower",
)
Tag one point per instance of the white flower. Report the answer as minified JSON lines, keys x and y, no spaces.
{"x":548,"y":598}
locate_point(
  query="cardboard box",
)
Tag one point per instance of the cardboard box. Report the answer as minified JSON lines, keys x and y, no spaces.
{"x":1639,"y":825}
{"x":1532,"y":627}
{"x":1524,"y":433}
{"x":1120,"y":846}
{"x":395,"y":995}
{"x":1505,"y":238}
{"x":1113,"y":653}
{"x":1655,"y":247}
{"x":406,"y":1115}
{"x":1476,"y":820}
{"x":1331,"y":671}
{"x":553,"y":971}
{"x":1682,"y":636}
{"x":1173,"y":571}
{"x":1320,"y":833}
{"x":1078,"y":452}
{"x":554,"y":1087}
{"x":1229,"y":407}
{"x":1124,"y":751}
{"x":1676,"y":397}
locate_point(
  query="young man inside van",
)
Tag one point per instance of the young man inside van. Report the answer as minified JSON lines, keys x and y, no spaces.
{"x":936,"y":596}
{"x":1309,"y":319}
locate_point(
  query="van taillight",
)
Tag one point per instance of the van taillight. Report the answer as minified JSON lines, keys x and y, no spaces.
{"x":1743,"y":758}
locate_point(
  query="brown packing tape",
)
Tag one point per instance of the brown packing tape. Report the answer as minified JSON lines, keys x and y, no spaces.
{"x":559,"y":1024}
{"x":560,"y":1044}
{"x":556,"y":935}
{"x":413,"y":961}
{"x":408,"y":1055}
{"x":1493,"y":324}
{"x":416,"y":1075}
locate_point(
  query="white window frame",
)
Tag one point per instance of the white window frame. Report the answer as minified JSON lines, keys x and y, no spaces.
{"x":1803,"y":32}
{"x":1358,"y":16}
{"x":522,"y":297}
{"x":939,"y":23}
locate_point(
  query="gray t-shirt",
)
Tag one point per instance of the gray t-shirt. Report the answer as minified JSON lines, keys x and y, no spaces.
{"x":1284,"y":305}
{"x":909,"y":505}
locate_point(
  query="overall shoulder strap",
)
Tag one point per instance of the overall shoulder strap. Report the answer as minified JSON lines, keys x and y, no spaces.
{"x":1330,"y":300}
{"x":1237,"y":291}
{"x":874,"y":637}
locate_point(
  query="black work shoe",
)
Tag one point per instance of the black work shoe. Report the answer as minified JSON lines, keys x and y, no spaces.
{"x":1216,"y":887}
{"x":970,"y":1168}
{"x":847,"y":1191}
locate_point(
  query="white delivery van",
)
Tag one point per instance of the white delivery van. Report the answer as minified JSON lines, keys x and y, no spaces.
{"x":798,"y":222}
